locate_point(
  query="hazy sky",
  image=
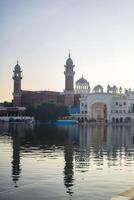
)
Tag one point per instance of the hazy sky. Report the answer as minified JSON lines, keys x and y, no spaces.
{"x":100,"y":34}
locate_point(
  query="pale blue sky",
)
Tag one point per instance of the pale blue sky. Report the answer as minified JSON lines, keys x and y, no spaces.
{"x":100,"y":34}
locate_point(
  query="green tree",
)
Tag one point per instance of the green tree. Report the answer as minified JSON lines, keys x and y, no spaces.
{"x":30,"y":111}
{"x":48,"y":111}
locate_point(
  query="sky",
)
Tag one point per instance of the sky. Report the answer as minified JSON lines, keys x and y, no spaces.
{"x":99,"y":34}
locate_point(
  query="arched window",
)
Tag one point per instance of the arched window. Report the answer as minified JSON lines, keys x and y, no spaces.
{"x":113,"y":120}
{"x":121,"y":120}
{"x":117,"y":120}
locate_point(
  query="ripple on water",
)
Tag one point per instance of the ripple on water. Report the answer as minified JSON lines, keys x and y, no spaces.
{"x":66,"y":162}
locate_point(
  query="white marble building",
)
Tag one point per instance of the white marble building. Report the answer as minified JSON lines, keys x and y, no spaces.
{"x":113,"y":105}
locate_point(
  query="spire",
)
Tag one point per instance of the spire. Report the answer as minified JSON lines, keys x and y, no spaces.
{"x":69,"y":60}
{"x":69,"y":54}
{"x":17,"y":66}
{"x":17,"y":61}
{"x":82,"y":75}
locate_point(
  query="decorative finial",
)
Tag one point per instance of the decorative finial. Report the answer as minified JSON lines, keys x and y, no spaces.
{"x":82,"y":75}
{"x":69,"y":54}
{"x":17,"y":61}
{"x":120,"y":90}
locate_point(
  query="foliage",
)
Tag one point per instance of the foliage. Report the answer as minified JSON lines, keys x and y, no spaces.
{"x":7,"y":104}
{"x":47,"y":111}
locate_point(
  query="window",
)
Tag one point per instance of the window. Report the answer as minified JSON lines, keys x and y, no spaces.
{"x":85,"y":111}
{"x":124,"y":103}
{"x":116,"y":103}
{"x":82,"y":104}
{"x":116,"y":111}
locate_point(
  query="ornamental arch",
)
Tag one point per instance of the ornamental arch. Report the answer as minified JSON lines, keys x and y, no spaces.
{"x":99,"y":111}
{"x":99,"y":106}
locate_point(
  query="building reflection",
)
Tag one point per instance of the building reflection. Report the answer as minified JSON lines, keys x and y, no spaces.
{"x":68,"y":169}
{"x":17,"y":132}
{"x":96,"y":143}
{"x":16,"y":170}
{"x":84,"y":146}
{"x":4,"y":127}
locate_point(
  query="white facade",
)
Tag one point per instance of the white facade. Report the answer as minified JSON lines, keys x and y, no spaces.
{"x":110,"y":106}
{"x":14,"y":114}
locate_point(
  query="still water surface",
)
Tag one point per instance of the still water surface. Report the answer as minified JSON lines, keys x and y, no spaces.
{"x":65,"y":162}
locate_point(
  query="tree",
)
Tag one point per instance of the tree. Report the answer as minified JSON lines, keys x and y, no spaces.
{"x":30,"y":111}
{"x":48,"y":111}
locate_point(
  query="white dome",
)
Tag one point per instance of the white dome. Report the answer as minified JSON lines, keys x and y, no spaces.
{"x":82,"y":80}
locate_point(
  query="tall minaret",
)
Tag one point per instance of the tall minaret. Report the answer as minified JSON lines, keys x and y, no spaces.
{"x":17,"y":85}
{"x":69,"y":81}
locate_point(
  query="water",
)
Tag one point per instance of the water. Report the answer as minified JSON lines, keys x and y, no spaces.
{"x":65,"y":162}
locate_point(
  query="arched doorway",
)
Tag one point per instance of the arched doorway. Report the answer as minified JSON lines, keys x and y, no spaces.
{"x":121,"y":120}
{"x":117,"y":120}
{"x":113,"y":120}
{"x":99,"y":111}
{"x":127,"y":120}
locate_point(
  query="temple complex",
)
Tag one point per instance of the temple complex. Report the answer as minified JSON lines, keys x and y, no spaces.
{"x":85,"y":104}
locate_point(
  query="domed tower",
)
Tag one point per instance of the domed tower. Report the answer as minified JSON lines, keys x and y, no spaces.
{"x":82,"y":86}
{"x":17,"y":85}
{"x":69,"y":81}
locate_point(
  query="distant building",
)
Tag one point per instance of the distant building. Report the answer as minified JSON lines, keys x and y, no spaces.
{"x":17,"y":93}
{"x":84,"y":104}
{"x":38,"y":97}
{"x":110,"y":106}
{"x":69,"y":82}
{"x":25,"y":97}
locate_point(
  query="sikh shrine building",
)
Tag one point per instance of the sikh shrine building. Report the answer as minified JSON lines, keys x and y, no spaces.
{"x":85,"y":104}
{"x":25,"y":97}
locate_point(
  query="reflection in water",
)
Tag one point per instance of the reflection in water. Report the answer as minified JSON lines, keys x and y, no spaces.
{"x":16,"y":155}
{"x":17,"y":132}
{"x":83,"y":147}
{"x":68,"y":169}
{"x":114,"y":143}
